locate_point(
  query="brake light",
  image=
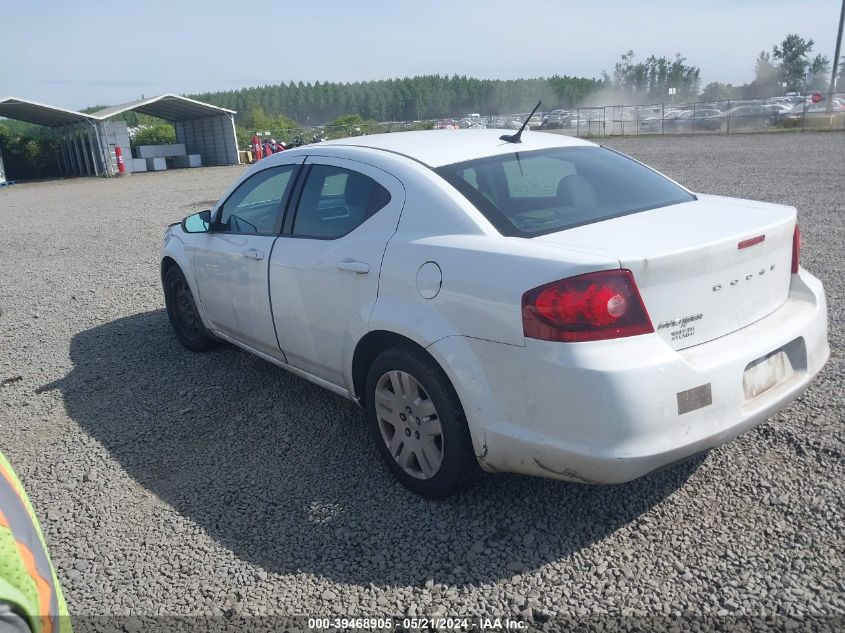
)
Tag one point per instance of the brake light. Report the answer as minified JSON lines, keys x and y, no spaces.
{"x":591,"y":307}
{"x":751,"y":241}
{"x":796,"y":249}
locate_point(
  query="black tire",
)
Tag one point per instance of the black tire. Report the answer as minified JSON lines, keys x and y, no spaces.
{"x":459,"y":464}
{"x":182,"y":312}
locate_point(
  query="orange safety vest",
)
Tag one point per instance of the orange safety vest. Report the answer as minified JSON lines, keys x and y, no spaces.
{"x":26,"y":573}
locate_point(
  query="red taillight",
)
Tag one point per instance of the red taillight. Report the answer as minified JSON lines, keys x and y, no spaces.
{"x":796,"y":249}
{"x":589,"y":307}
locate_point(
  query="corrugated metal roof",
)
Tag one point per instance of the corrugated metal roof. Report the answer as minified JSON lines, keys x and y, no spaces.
{"x":39,"y":113}
{"x":168,"y":106}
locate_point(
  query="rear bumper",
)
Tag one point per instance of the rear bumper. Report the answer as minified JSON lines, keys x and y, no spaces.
{"x":608,"y":411}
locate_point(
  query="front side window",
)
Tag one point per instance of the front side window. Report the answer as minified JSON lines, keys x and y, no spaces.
{"x":542,"y":191}
{"x":335,"y":201}
{"x":256,"y":205}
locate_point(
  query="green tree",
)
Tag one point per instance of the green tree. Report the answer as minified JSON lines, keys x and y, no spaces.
{"x":153,"y":134}
{"x":654,"y":77}
{"x":28,"y":151}
{"x":767,"y":76}
{"x":716,"y":91}
{"x":793,"y":61}
{"x":819,"y":74}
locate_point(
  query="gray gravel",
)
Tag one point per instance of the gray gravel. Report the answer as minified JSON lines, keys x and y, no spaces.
{"x":175,"y":483}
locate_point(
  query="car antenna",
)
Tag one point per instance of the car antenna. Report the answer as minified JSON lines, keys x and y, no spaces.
{"x":517,"y":138}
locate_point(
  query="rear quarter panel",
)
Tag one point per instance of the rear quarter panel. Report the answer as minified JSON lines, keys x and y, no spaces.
{"x":484,"y":274}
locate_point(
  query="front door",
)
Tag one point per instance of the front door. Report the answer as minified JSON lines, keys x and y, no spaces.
{"x":231,"y":261}
{"x":324,"y":269}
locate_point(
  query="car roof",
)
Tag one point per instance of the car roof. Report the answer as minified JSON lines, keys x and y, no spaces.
{"x":436,"y":148}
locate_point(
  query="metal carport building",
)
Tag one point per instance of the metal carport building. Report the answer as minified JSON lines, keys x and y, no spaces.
{"x":88,"y":140}
{"x":204,"y":129}
{"x":81,"y":152}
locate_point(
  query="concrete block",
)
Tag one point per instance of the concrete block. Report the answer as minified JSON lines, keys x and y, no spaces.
{"x":139,"y":164}
{"x":189,"y":160}
{"x":157,"y":163}
{"x":160,"y":151}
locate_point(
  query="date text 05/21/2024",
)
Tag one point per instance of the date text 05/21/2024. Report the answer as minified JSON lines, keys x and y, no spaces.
{"x":440,"y":623}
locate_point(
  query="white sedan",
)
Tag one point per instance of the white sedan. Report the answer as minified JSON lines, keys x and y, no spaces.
{"x":547,"y":307}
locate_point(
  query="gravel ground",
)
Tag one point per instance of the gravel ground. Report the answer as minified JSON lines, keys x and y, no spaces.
{"x":171,"y":483}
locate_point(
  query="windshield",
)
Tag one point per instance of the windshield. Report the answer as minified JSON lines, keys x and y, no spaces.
{"x":533,"y":193}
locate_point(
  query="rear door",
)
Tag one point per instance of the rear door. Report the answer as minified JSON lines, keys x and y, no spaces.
{"x":324,"y":269}
{"x":231,"y":261}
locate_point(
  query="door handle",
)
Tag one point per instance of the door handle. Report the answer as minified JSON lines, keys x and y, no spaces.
{"x":253,"y":254}
{"x":362,"y":268}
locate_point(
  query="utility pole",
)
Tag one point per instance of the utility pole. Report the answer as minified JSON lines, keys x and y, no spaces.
{"x":836,"y":58}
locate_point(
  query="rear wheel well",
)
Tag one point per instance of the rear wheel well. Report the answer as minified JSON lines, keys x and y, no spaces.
{"x":368,"y":348}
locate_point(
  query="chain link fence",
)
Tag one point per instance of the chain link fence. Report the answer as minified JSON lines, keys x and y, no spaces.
{"x":821,"y":111}
{"x":826,"y":112}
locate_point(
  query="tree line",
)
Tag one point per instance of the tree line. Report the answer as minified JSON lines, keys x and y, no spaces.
{"x":411,"y":98}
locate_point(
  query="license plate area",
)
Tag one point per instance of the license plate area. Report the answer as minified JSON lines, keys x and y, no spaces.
{"x":774,"y":369}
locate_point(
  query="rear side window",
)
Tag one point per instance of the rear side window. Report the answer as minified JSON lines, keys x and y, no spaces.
{"x":335,"y":201}
{"x":542,"y":191}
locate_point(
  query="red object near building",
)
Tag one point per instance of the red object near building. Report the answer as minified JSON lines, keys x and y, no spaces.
{"x":256,"y":148}
{"x":118,"y":154}
{"x":816,"y":97}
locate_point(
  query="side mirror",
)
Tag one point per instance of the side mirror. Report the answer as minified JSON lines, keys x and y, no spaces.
{"x":197,"y":223}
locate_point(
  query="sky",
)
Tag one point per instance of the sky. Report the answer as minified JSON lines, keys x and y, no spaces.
{"x":91,"y":52}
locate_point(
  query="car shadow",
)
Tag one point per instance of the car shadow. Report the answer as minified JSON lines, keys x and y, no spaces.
{"x":286,"y":475}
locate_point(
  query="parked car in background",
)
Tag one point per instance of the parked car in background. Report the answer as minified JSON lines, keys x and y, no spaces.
{"x":588,"y":119}
{"x":558,"y":119}
{"x":754,"y":116}
{"x":535,"y":122}
{"x":795,"y":99}
{"x":577,"y":119}
{"x":836,"y":105}
{"x":550,"y":308}
{"x":657,"y":122}
{"x":472,"y":122}
{"x":782,"y":108}
{"x":688,"y":121}
{"x":816,"y":113}
{"x":515,"y":121}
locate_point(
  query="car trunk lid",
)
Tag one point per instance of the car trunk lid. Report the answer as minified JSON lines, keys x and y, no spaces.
{"x":704,"y":268}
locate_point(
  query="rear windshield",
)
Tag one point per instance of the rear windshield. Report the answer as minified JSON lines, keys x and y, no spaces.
{"x":542,"y":191}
